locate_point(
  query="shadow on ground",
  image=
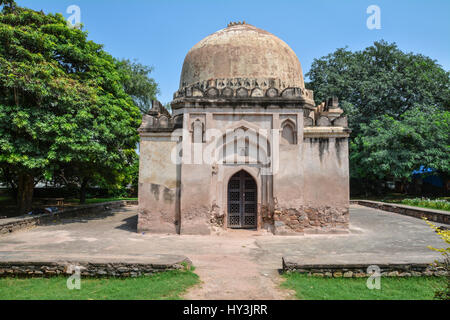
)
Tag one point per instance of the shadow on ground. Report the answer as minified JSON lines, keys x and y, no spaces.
{"x":81,"y":219}
{"x":130,"y":224}
{"x":103,"y":215}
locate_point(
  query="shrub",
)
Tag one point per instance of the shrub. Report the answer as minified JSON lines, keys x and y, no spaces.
{"x":443,"y":294}
{"x":427,"y":203}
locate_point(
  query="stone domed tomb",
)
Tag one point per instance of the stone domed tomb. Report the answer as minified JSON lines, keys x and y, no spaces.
{"x":245,"y":146}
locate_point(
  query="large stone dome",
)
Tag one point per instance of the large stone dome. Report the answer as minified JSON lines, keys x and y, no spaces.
{"x":242,"y":51}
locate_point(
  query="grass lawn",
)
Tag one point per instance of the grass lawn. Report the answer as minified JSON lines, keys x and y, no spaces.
{"x":438,"y":204}
{"x":4,"y":198}
{"x":161,"y":286}
{"x":441,"y":203}
{"x":316,"y":288}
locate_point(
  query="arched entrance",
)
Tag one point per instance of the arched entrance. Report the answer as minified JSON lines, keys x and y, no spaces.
{"x":242,"y":201}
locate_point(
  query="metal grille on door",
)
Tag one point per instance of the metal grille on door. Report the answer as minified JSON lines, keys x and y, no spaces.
{"x":242,"y":201}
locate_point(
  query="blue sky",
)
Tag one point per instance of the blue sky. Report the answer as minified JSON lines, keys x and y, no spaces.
{"x":160,"y":32}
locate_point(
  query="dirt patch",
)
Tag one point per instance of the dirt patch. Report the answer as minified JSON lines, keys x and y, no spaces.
{"x":242,"y":272}
{"x":235,"y":277}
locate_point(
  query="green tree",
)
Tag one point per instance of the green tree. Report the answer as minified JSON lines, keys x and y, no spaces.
{"x":9,"y":5}
{"x":390,"y":148}
{"x":390,"y":97}
{"x":123,"y":184}
{"x":138,"y":83}
{"x":379,"y":80}
{"x":62,"y":102}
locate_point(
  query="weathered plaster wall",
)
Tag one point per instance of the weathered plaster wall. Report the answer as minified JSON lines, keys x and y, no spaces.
{"x":288,"y":191}
{"x":196,"y":205}
{"x":288,"y":179}
{"x":326,"y":182}
{"x":257,"y":118}
{"x":326,"y":171}
{"x":158,"y":181}
{"x":312,"y":190}
{"x":288,"y":172}
{"x":307,"y":193}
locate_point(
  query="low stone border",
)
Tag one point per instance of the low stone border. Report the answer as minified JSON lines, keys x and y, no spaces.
{"x":290,"y":264}
{"x":9,"y":225}
{"x":87,"y":269}
{"x":417,"y":212}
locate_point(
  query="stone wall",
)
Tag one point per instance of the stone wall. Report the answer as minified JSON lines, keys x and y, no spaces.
{"x":417,"y":212}
{"x":360,"y":270}
{"x":306,"y":219}
{"x":115,"y":269}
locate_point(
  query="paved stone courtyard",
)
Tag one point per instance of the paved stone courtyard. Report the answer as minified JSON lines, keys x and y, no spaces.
{"x":235,"y":265}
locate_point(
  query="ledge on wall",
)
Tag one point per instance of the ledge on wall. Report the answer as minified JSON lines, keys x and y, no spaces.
{"x":439,"y":216}
{"x":360,"y":270}
{"x":320,"y":132}
{"x":95,"y":267}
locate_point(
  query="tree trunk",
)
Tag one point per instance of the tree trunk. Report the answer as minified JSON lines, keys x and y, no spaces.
{"x":7,"y":176}
{"x":418,"y":182}
{"x":403,"y":189}
{"x":25,"y":190}
{"x":83,"y":187}
{"x":445,"y":183}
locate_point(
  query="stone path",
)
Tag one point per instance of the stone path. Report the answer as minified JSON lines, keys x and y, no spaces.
{"x":237,"y":270}
{"x":237,"y":265}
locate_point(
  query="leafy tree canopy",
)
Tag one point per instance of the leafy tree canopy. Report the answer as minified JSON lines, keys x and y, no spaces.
{"x":138,"y":84}
{"x":379,"y":80}
{"x":62,"y":101}
{"x":397,"y":105}
{"x":392,"y":148}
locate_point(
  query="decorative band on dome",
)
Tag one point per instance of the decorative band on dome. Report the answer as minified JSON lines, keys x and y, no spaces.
{"x":248,"y":83}
{"x":239,"y":88}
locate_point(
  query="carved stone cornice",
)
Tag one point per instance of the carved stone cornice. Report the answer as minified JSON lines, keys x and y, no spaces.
{"x":243,"y":89}
{"x":158,"y":119}
{"x":326,"y":132}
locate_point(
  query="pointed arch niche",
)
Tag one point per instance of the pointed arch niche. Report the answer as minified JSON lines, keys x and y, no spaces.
{"x":288,"y":133}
